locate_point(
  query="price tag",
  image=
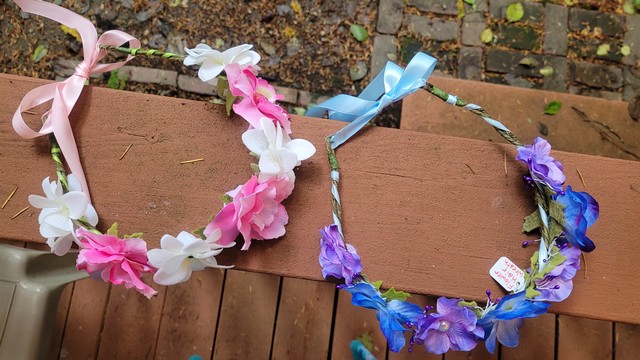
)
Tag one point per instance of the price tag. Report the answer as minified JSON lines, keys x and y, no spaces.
{"x":507,"y":274}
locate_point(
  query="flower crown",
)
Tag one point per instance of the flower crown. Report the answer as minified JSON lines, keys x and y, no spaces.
{"x":562,"y":218}
{"x":253,"y":210}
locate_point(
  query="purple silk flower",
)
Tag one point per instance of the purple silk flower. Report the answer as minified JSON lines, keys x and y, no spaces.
{"x":336,"y":259}
{"x":543,"y":168}
{"x":557,"y":283}
{"x":452,"y":327}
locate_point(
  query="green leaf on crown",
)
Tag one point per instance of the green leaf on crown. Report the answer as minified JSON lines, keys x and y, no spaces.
{"x":377,"y":284}
{"x":226,"y":198}
{"x":532,"y":222}
{"x":113,"y":230}
{"x":472,"y":305}
{"x":532,"y":292}
{"x":393,"y":294}
{"x":199,"y":232}
{"x":137,"y":235}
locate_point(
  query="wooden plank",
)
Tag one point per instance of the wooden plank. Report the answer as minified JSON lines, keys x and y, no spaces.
{"x":432,"y":188}
{"x":189,"y":316}
{"x":131,"y":324}
{"x":627,"y":343}
{"x":418,"y":352}
{"x":479,"y":353}
{"x":522,"y":110}
{"x":584,"y":338}
{"x":303,"y":326}
{"x":83,"y":331}
{"x":247,"y":316}
{"x":352,"y":322}
{"x":537,"y":340}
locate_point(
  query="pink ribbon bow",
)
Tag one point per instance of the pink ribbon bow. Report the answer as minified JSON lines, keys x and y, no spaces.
{"x":65,"y":94}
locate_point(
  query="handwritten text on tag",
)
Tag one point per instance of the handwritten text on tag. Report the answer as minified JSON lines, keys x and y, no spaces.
{"x":507,"y":274}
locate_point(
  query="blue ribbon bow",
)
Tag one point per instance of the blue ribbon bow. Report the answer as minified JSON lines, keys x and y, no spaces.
{"x":390,"y":85}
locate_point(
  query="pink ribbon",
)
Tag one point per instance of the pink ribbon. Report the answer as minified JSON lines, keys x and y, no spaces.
{"x":65,"y":94}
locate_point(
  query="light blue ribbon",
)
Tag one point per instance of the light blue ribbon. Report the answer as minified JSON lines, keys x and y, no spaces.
{"x":390,"y":85}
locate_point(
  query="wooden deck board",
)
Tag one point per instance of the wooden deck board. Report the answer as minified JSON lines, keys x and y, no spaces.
{"x":83,"y":328}
{"x":303,"y":326}
{"x":537,"y":340}
{"x":247,"y":316}
{"x":627,"y":341}
{"x":189,"y":316}
{"x":131,"y":324}
{"x":580,"y":338}
{"x":430,"y":193}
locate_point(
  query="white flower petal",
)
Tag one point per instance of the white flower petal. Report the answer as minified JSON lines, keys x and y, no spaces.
{"x":209,"y":71}
{"x":157,"y":257}
{"x":59,"y":221}
{"x":174,"y":263}
{"x":186,"y":238}
{"x":249,"y":58}
{"x":255,"y":141}
{"x":46,"y":188}
{"x":302,"y":148}
{"x":60,"y":245}
{"x":76,"y":203}
{"x":91,"y":215}
{"x":215,"y":235}
{"x":42,"y":202}
{"x":170,"y":243}
{"x":165,"y":278}
{"x":269,"y":129}
{"x":270,"y":162}
{"x":229,"y":54}
{"x":48,"y":231}
{"x":74,"y":183}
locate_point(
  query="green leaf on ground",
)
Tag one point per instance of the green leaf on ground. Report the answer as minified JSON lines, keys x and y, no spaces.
{"x":546,"y":71}
{"x":359,"y":32}
{"x":40,"y":52}
{"x":603,"y":49}
{"x":553,"y":107}
{"x":625,"y":50}
{"x":299,"y":110}
{"x":528,"y":62}
{"x":115,"y":82}
{"x":628,"y":8}
{"x":486,"y":36}
{"x":515,"y":12}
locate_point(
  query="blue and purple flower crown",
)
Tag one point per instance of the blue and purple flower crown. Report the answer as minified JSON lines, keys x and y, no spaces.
{"x":562,"y":218}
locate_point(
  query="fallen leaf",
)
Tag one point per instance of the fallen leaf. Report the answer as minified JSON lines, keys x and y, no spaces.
{"x":39,"y":53}
{"x":543,"y":129}
{"x":625,"y":50}
{"x":553,"y":108}
{"x":603,"y":49}
{"x":359,"y":32}
{"x":546,"y":71}
{"x":71,"y":31}
{"x":515,"y":12}
{"x":470,"y":2}
{"x":529,"y":62}
{"x":628,"y":8}
{"x":486,"y":36}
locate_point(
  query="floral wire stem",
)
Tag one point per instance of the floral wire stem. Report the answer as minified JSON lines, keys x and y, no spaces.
{"x":478,"y":110}
{"x":56,"y":155}
{"x":336,"y":207}
{"x":145,"y":52}
{"x":61,"y":172}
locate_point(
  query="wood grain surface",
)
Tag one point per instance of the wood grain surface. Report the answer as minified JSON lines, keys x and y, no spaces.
{"x":419,"y":218}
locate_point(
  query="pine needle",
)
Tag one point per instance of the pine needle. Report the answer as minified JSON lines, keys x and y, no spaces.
{"x":20,"y":212}
{"x":191,"y":161}
{"x":125,"y":151}
{"x":9,"y":198}
{"x":581,"y":178}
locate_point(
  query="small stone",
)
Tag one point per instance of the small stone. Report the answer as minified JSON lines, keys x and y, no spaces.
{"x":509,"y":62}
{"x":284,"y":9}
{"x":472,"y":26}
{"x":555,"y":29}
{"x":358,"y":71}
{"x":293,"y":47}
{"x":273,"y":61}
{"x":469,"y":63}
{"x":597,"y":75}
{"x":611,"y":24}
{"x":433,"y":28}
{"x":447,"y":7}
{"x":632,"y":39}
{"x":268,"y":48}
{"x":150,"y":76}
{"x":390,"y":14}
{"x":383,"y":45}
{"x":517,"y":37}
